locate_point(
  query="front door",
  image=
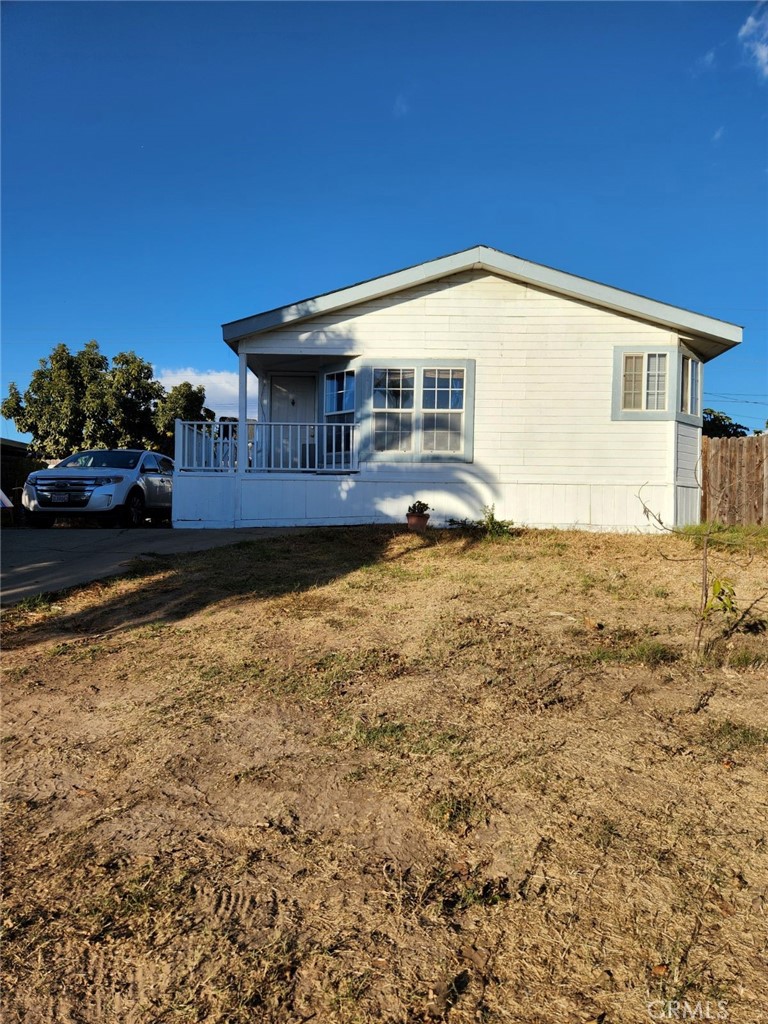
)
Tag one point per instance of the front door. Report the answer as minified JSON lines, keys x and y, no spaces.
{"x":293,"y":415}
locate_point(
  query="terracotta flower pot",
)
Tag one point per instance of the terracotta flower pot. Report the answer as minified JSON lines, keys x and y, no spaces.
{"x":417,"y":522}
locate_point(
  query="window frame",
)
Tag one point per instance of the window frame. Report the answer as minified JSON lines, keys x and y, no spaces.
{"x":645,"y":381}
{"x":618,"y":409}
{"x":673,"y":384}
{"x":651,"y":377}
{"x":402,"y":411}
{"x":689,"y":390}
{"x":336,"y":451}
{"x":417,"y":453}
{"x":451,"y":410}
{"x":338,"y":415}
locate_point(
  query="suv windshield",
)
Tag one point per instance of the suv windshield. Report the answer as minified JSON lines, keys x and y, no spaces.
{"x":101,"y":460}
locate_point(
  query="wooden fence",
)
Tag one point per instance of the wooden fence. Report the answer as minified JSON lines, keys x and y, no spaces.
{"x":735,"y":480}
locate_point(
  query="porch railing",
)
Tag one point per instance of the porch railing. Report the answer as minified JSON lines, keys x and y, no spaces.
{"x":267,"y":447}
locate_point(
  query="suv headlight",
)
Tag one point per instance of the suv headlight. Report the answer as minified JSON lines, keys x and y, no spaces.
{"x":104,"y":480}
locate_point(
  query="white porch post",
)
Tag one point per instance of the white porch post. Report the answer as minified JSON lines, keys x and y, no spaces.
{"x":242,"y":414}
{"x":242,"y":436}
{"x":242,"y":409}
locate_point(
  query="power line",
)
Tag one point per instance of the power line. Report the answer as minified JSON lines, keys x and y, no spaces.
{"x":733,"y":401}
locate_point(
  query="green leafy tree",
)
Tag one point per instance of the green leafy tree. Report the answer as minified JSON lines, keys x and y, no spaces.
{"x":717,"y":424}
{"x":185,"y":401}
{"x":131,"y":395}
{"x":92,"y":367}
{"x":77,"y":400}
{"x":55,"y":407}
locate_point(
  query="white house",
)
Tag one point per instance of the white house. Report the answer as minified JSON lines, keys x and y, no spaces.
{"x":475,"y":379}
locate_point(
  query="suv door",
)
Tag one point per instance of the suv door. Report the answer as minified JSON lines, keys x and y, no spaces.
{"x":153,"y":481}
{"x":166,"y":471}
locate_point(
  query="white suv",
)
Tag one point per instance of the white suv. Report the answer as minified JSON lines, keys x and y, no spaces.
{"x":121,"y":486}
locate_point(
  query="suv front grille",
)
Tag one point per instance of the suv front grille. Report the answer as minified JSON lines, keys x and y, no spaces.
{"x":64,"y":492}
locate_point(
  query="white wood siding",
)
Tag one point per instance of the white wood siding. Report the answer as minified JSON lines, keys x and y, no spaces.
{"x":687,"y":474}
{"x":205,"y":500}
{"x":546,"y":451}
{"x":687,"y":506}
{"x":688,"y":454}
{"x":544,"y":376}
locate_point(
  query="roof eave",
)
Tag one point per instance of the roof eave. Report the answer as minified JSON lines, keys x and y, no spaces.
{"x":718,"y":334}
{"x":376,"y":287}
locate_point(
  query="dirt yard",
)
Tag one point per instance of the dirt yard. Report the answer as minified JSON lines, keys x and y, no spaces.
{"x":364,"y":776}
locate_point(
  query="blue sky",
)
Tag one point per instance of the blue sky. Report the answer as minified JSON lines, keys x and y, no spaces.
{"x":171,"y":166}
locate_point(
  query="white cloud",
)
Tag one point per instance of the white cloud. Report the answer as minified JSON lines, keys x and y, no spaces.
{"x":221,"y":387}
{"x":718,"y":134}
{"x":754,"y":37}
{"x":401,"y":106}
{"x":706,"y":63}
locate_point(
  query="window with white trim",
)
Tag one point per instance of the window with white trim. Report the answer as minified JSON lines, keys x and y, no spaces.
{"x":339,"y":408}
{"x":644,"y":381}
{"x":656,"y":381}
{"x":632,"y":383}
{"x":690,"y":376}
{"x":442,"y":401}
{"x":393,"y":403}
{"x":420,"y":410}
{"x":340,"y":396}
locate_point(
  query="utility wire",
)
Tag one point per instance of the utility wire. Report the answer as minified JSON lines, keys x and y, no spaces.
{"x":733,"y":401}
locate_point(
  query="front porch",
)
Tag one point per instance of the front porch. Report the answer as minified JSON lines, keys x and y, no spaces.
{"x":305,"y":474}
{"x":295,"y":462}
{"x":223,"y":447}
{"x":311,"y":474}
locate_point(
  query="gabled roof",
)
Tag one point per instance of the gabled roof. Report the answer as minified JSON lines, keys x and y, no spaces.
{"x":712,"y":336}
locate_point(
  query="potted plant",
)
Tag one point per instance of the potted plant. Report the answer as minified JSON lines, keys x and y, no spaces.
{"x":417,"y":516}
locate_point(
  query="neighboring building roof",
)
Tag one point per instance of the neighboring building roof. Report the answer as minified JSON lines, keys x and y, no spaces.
{"x":11,"y":445}
{"x":713,"y":336}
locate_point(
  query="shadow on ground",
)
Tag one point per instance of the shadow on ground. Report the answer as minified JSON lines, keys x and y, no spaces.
{"x":177,"y":586}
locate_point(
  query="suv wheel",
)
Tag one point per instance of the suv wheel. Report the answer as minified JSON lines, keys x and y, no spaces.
{"x":133,"y":513}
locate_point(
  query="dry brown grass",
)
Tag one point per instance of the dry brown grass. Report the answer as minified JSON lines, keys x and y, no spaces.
{"x":360,"y":776}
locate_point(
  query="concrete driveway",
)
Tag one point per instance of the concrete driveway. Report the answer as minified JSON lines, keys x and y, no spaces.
{"x":44,"y":561}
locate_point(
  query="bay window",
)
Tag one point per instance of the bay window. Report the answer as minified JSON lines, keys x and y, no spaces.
{"x":661,"y":383}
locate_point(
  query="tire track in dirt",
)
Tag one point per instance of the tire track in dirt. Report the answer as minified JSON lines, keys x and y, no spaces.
{"x":108,"y":991}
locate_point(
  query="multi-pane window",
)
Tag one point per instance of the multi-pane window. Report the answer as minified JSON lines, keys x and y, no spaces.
{"x":442,"y":410}
{"x":340,"y":396}
{"x":694,"y":395}
{"x":632,"y":385}
{"x":644,"y":382}
{"x":689,"y":386}
{"x":340,"y":413}
{"x":419,"y":410}
{"x":656,"y":381}
{"x":393,"y":402}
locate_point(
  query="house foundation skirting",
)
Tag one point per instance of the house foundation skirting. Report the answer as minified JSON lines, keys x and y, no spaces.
{"x":220,"y":500}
